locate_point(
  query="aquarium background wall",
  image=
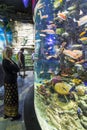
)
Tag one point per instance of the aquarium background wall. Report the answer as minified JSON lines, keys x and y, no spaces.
{"x":60,"y":64}
{"x":17,"y":31}
{"x":5,"y":33}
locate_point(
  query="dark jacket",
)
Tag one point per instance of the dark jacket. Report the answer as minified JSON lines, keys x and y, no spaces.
{"x":10,"y":70}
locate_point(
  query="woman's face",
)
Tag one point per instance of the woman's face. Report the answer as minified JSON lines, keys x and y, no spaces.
{"x":10,"y":53}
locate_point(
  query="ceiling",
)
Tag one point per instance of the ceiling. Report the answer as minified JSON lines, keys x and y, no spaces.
{"x":18,"y":5}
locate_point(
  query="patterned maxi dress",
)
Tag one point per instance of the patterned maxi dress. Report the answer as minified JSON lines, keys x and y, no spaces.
{"x":11,"y":89}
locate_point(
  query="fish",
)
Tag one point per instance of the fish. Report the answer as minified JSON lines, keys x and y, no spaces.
{"x":75,"y":54}
{"x":38,"y":40}
{"x":65,"y":34}
{"x":51,"y":26}
{"x":82,"y":33}
{"x":42,"y":16}
{"x":38,"y":6}
{"x":43,"y":35}
{"x":71,"y":60}
{"x":62,"y":88}
{"x":72,"y":8}
{"x":76,"y":45}
{"x":48,"y":31}
{"x":83,"y":39}
{"x":82,"y":20}
{"x":61,"y":16}
{"x":72,"y":89}
{"x":79,"y":111}
{"x":57,"y":3}
{"x":81,"y":12}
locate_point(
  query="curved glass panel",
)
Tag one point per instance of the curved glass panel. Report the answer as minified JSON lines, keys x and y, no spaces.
{"x":61,"y":64}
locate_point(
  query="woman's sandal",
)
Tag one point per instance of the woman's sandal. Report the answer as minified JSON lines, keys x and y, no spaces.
{"x":16,"y":117}
{"x":5,"y":117}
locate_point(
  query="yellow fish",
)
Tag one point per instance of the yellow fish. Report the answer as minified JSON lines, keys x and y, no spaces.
{"x":83,"y":39}
{"x":57,"y":3}
{"x":62,"y":88}
{"x":82,"y":33}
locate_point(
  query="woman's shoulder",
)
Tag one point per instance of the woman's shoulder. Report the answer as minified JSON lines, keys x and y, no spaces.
{"x":4,"y":60}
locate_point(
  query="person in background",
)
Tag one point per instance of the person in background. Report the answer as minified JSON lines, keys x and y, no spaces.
{"x":11,"y":102}
{"x":32,"y":56}
{"x":21,"y":61}
{"x":33,"y":59}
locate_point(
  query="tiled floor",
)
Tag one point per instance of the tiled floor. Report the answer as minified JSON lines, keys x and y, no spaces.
{"x":24,"y":86}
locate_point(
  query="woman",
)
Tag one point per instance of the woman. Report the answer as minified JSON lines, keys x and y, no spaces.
{"x":10,"y":84}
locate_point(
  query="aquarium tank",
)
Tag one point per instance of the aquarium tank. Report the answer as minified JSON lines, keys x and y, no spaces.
{"x":60,"y":64}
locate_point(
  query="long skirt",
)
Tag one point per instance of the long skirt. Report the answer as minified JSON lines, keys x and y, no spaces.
{"x":11,"y":100}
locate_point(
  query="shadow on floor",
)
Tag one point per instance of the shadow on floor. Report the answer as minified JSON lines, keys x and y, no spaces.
{"x":30,"y":119}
